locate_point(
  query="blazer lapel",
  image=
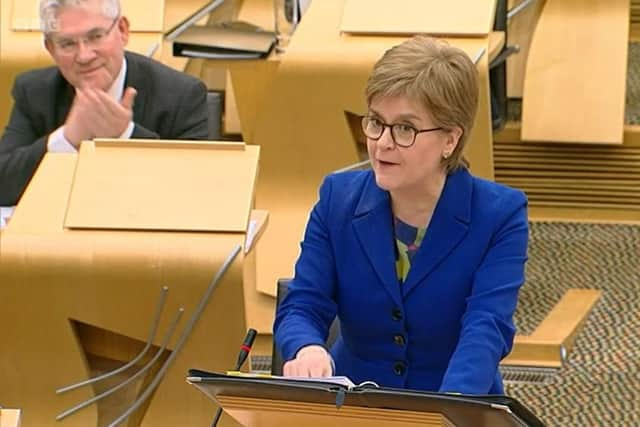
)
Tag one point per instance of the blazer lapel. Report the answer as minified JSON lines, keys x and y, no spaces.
{"x":374,"y":229}
{"x":448,"y":226}
{"x":135,"y":79}
{"x":64,"y":99}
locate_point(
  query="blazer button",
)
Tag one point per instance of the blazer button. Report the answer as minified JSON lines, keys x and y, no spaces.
{"x":399,"y":340}
{"x":396,"y":314}
{"x":399,"y":368}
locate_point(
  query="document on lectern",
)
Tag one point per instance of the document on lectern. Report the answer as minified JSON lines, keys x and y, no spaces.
{"x":462,"y":410}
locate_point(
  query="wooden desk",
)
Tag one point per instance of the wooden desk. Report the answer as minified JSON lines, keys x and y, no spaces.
{"x":294,"y":106}
{"x":76,"y":296}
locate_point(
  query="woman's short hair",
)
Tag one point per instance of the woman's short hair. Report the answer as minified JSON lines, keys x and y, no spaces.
{"x":49,"y":10}
{"x":441,"y":77}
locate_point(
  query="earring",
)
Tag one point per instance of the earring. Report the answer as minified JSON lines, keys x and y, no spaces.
{"x":446,"y":155}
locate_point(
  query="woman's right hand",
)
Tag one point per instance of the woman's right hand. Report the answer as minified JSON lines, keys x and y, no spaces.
{"x":311,"y":361}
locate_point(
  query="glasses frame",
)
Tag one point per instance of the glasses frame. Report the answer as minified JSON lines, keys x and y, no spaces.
{"x":416,"y":132}
{"x":83,"y":38}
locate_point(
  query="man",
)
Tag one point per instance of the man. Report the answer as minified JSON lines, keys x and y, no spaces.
{"x":96,"y":90}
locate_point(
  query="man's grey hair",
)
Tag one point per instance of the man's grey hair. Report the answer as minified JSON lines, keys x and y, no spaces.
{"x":49,"y":10}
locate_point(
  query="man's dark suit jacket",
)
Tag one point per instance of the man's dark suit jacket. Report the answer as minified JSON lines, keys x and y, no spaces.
{"x":169,"y":105}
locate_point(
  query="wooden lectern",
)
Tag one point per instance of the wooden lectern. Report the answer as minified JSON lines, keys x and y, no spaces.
{"x":94,"y":239}
{"x":281,"y":402}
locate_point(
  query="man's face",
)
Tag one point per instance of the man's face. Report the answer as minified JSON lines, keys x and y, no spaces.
{"x":87,"y":46}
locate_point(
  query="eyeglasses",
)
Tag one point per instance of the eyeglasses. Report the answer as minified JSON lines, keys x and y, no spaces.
{"x":93,"y":39}
{"x":402,"y":134}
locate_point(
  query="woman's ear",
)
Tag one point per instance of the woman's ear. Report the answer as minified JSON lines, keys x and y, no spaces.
{"x":453,"y":137}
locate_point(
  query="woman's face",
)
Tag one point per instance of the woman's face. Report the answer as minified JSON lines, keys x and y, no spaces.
{"x":412,"y":168}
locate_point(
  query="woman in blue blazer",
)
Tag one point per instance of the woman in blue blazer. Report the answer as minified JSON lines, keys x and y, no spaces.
{"x":420,"y":260}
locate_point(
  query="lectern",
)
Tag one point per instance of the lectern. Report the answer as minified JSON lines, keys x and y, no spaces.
{"x":281,"y":402}
{"x":94,"y":239}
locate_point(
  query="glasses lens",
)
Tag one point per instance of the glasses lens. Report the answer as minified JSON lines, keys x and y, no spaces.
{"x":372,"y":128}
{"x":66,"y":45}
{"x":403,"y":135}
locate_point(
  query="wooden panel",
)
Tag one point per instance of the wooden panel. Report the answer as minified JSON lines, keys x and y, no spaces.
{"x":635,"y":11}
{"x":519,"y":32}
{"x":435,"y":17}
{"x":264,"y":413}
{"x":110,"y":280}
{"x":573,"y":57}
{"x":572,"y":181}
{"x":163,"y":185}
{"x":533,"y":352}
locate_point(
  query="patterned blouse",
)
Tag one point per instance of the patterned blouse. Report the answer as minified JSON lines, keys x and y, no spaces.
{"x":408,"y":240}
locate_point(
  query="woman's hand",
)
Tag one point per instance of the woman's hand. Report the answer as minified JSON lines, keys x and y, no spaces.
{"x":310,"y":361}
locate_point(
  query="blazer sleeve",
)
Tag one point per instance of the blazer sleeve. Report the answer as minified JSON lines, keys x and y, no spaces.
{"x":487,"y":329}
{"x":191,"y":118}
{"x":21,"y":149}
{"x":305,"y":315}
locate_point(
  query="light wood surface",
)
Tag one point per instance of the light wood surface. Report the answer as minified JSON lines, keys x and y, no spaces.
{"x":574,"y":90}
{"x":162,"y":179}
{"x":520,"y":30}
{"x":554,"y":337}
{"x":265,"y":413}
{"x":10,"y":418}
{"x":473,"y":18}
{"x":53,"y":278}
{"x":293,"y":106}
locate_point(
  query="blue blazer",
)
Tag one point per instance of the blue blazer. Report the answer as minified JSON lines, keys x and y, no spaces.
{"x":445,"y":328}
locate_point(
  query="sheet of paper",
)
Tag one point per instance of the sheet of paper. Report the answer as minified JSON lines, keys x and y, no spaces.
{"x":5,"y":214}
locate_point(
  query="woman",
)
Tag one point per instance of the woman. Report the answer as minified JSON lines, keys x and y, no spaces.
{"x":421,"y":261}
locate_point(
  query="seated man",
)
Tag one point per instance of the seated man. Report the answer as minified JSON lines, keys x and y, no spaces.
{"x":96,"y":90}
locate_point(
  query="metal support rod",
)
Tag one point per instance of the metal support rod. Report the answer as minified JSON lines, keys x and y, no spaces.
{"x":478,"y":55}
{"x":152,"y":334}
{"x":145,"y":368}
{"x":179,"y":29}
{"x":182,"y":340}
{"x":519,"y":8}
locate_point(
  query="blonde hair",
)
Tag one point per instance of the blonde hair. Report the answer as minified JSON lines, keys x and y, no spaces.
{"x":49,"y":10}
{"x":441,"y":77}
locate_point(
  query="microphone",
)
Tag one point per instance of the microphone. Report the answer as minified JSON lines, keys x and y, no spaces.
{"x":245,"y":349}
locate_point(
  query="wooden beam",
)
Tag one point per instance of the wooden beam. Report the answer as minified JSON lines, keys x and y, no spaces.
{"x":548,"y":345}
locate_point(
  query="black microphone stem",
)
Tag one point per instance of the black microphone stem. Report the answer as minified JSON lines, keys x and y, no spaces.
{"x":245,"y":349}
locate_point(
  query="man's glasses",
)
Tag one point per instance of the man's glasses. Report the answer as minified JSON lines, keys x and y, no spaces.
{"x":93,"y":39}
{"x":402,"y":135}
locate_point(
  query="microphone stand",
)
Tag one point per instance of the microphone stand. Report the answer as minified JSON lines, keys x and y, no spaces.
{"x":245,"y":348}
